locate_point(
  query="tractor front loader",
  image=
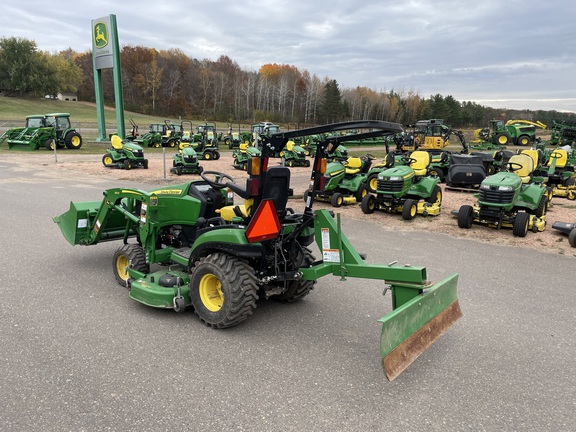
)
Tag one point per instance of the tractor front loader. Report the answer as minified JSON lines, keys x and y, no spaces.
{"x":220,"y":258}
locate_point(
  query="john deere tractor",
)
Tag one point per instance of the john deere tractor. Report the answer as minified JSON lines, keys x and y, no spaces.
{"x":43,"y":131}
{"x":188,"y":245}
{"x":186,"y":161}
{"x":406,"y":188}
{"x":294,"y":156}
{"x":509,"y":199}
{"x":126,"y":155}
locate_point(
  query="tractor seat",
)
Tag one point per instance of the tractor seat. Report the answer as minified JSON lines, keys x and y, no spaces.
{"x":353,"y":166}
{"x":183,"y":145}
{"x":533,"y":153}
{"x":420,"y":167}
{"x":243,"y":147}
{"x":561,"y":157}
{"x":290,"y":146}
{"x":527,"y":166}
{"x":116,"y":142}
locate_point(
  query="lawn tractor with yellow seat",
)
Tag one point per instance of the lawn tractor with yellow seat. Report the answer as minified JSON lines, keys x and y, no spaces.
{"x":126,"y":155}
{"x":561,"y":178}
{"x":189,"y":245}
{"x":509,"y":199}
{"x":186,"y":160}
{"x":294,"y":156}
{"x":406,"y":188}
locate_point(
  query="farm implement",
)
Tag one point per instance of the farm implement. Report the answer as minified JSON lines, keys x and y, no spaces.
{"x":220,"y":258}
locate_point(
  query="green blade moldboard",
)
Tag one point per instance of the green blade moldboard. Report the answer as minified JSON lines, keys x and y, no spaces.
{"x":412,"y":328}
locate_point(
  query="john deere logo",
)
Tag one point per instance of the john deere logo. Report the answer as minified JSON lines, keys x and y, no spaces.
{"x":100,"y":35}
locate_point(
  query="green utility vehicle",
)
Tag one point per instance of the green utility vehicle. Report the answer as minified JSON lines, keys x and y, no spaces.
{"x":43,"y":131}
{"x":406,"y":188}
{"x":220,"y":258}
{"x":126,"y":155}
{"x":509,"y":199}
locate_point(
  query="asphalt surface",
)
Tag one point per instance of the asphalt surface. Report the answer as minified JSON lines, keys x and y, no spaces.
{"x":78,"y":354}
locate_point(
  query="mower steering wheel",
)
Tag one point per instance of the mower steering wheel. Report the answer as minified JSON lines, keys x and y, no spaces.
{"x":408,"y":160}
{"x":514,"y":166}
{"x":217,"y":182}
{"x":369,"y":156}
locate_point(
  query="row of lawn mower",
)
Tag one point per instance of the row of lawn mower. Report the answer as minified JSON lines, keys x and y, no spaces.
{"x":512,"y":190}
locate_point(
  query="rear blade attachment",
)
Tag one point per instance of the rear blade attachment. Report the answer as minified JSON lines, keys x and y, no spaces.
{"x":412,"y":328}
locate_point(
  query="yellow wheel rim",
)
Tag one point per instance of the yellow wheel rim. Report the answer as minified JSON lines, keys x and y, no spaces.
{"x":413,"y":210}
{"x":374,"y":184}
{"x":122,"y":264}
{"x":75,"y":141}
{"x":211,"y":294}
{"x":502,"y":140}
{"x":108,"y":160}
{"x":438,"y":198}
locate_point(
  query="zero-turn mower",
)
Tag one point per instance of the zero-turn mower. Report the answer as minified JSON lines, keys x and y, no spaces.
{"x":220,"y":258}
{"x":125,"y":155}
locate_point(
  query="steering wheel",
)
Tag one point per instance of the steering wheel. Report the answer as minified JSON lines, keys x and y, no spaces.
{"x":408,"y":160}
{"x":368,"y":156}
{"x":514,"y":166}
{"x":218,"y":177}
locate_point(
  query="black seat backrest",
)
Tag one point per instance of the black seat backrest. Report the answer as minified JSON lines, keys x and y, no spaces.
{"x":277,"y":188}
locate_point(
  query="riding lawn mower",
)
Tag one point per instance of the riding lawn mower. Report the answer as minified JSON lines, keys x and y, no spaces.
{"x":126,"y":155}
{"x":220,"y":258}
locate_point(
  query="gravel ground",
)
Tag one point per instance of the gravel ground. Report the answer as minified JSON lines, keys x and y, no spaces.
{"x":549,"y":241}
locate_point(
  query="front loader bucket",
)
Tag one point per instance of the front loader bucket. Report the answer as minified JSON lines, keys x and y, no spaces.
{"x":75,"y":223}
{"x":414,"y":326}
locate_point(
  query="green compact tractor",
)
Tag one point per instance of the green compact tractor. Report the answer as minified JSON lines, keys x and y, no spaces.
{"x":294,"y":156}
{"x":509,"y":199}
{"x":188,"y":245}
{"x":186,"y":161}
{"x":126,"y":155}
{"x":43,"y":131}
{"x":406,"y":188}
{"x":158,"y":135}
{"x":242,"y":154}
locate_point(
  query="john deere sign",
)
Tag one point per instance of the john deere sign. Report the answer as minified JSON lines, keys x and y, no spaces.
{"x":106,"y":55}
{"x":101,"y":43}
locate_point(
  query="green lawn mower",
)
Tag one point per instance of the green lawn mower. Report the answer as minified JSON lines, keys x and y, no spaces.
{"x":294,"y":156}
{"x":509,"y":199}
{"x":406,"y":188}
{"x":346,"y":182}
{"x":126,"y":155}
{"x":242,"y":154}
{"x":188,"y":245}
{"x":186,"y":161}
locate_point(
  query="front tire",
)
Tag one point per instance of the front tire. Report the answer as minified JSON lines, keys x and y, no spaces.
{"x":368,"y":204}
{"x":520,"y":227}
{"x":223,"y":290}
{"x":409,"y":209}
{"x":465,"y":216}
{"x":128,"y":255}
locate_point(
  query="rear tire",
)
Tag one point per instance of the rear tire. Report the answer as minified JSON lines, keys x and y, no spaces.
{"x":361,"y":193}
{"x":107,"y":160}
{"x":436,"y":197}
{"x":372,"y":183}
{"x":127,"y":164}
{"x":520,"y":227}
{"x":73,"y":140}
{"x":465,"y":216}
{"x":223,"y":290}
{"x":128,"y":254}
{"x":409,"y":209}
{"x":542,"y":206}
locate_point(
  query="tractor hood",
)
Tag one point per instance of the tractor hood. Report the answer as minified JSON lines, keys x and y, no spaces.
{"x":402,"y":172}
{"x":502,"y":180}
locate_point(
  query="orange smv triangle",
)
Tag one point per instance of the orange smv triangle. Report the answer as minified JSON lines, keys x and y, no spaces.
{"x":265,"y":224}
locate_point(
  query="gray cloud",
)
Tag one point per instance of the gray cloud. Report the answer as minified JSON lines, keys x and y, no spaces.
{"x":514,"y":54}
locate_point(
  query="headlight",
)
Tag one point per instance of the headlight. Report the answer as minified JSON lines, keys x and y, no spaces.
{"x":505,"y":188}
{"x":396,"y":179}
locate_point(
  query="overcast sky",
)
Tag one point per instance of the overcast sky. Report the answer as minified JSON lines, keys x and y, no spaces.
{"x":498,"y":53}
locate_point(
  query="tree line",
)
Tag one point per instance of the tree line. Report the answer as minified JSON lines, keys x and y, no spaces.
{"x":172,"y":84}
